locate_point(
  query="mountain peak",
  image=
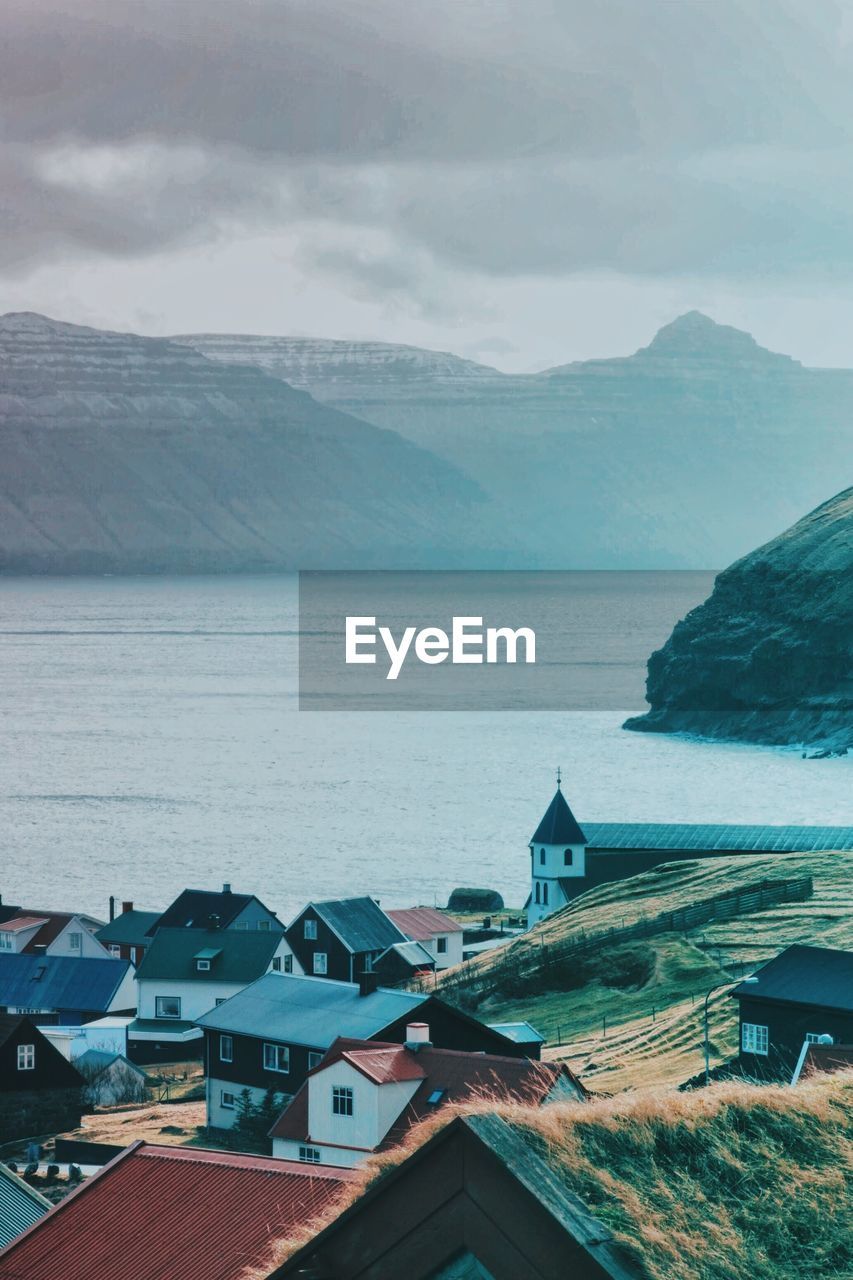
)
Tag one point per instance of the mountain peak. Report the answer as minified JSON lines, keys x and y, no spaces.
{"x":35,"y":322}
{"x":695,"y":336}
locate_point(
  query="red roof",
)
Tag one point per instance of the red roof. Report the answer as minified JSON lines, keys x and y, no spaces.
{"x":22,"y":922}
{"x":455,"y":1075}
{"x":173,"y":1211}
{"x":422,"y":923}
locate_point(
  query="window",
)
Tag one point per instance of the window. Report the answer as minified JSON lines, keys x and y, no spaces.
{"x":226,"y":1049}
{"x":288,"y":964}
{"x":542,"y":856}
{"x":75,"y":941}
{"x":309,"y":1155}
{"x":277,"y":1058}
{"x":203,"y":966}
{"x":567,"y":857}
{"x":310,"y":931}
{"x":228,"y":1101}
{"x":219,"y":1000}
{"x":115,"y":950}
{"x":441,"y":946}
{"x":276,"y":964}
{"x":545,"y":894}
{"x":314,"y":1060}
{"x":753,"y":1038}
{"x":26,"y":1057}
{"x":815,"y":1037}
{"x":167,"y":1006}
{"x":264,"y":926}
{"x":538,"y":892}
{"x":341,"y":1100}
{"x":320,"y":964}
{"x":242,"y":924}
{"x":7,"y":942}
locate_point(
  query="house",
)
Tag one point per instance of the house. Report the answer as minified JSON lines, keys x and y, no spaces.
{"x":402,"y":962}
{"x":275,"y":1031}
{"x":107,"y":1034}
{"x":804,"y":995}
{"x":206,"y":909}
{"x":39,"y":1091}
{"x":341,"y":938}
{"x":566,"y":858}
{"x":522,"y":1034}
{"x":111,"y":1078}
{"x":366,"y":1095}
{"x":59,"y":989}
{"x":20,"y":1206}
{"x":438,"y":932}
{"x":27,"y":931}
{"x":128,"y":935}
{"x":172,"y":1211}
{"x":187,"y":971}
{"x":476,"y":1201}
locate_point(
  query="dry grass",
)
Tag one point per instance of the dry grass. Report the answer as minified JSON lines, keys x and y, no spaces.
{"x":737,"y":1182}
{"x":172,"y":1125}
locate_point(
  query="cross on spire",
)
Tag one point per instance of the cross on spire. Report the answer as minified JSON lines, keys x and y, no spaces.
{"x":559,"y":779}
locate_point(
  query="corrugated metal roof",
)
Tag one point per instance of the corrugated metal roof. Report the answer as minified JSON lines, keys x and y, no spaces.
{"x":59,"y":982}
{"x":309,"y":1011}
{"x":518,"y":1032}
{"x":412,"y":952}
{"x":423,"y":923}
{"x":20,"y":1206}
{"x":172,"y":1211}
{"x":19,"y":923}
{"x":720,"y":837}
{"x":360,"y":923}
{"x":558,"y":825}
{"x":819,"y":976}
{"x":234,"y":955}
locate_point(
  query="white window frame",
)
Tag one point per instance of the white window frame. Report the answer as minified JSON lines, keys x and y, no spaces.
{"x":320,"y":964}
{"x":309,"y":931}
{"x":26,"y":1057}
{"x":264,"y":925}
{"x":115,"y":950}
{"x":7,"y":941}
{"x":813,"y":1037}
{"x":226,"y":1055}
{"x":228,"y":1106}
{"x":310,"y":1155}
{"x":158,"y":1011}
{"x":75,"y":940}
{"x":275,"y":1051}
{"x":343,"y":1100}
{"x":288,"y":964}
{"x":755,"y":1038}
{"x":202,"y":966}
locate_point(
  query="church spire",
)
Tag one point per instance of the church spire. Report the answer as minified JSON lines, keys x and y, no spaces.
{"x":559,"y":779}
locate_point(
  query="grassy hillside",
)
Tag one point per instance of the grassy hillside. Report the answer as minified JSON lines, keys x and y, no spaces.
{"x":737,"y":1182}
{"x":633,"y":1015}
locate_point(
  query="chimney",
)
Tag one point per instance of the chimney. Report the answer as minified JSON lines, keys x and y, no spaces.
{"x":112,"y":908}
{"x":125,"y":907}
{"x":226,"y":888}
{"x":367,"y":983}
{"x":417,"y":1036}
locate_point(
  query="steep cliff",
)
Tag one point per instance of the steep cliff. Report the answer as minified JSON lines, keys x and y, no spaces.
{"x":123,"y":453}
{"x":652,"y":460}
{"x":769,"y":656}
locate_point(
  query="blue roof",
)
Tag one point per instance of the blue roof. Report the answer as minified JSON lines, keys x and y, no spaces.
{"x":59,"y":982}
{"x":518,"y":1032}
{"x":309,"y":1011}
{"x":720,"y":837}
{"x":20,"y":1206}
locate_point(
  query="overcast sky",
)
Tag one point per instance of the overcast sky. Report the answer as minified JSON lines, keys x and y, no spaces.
{"x":521,"y":181}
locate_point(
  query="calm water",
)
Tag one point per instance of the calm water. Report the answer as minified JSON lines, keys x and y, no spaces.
{"x":150,"y":740}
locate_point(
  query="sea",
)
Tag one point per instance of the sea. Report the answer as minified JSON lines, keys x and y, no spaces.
{"x":150,"y":740}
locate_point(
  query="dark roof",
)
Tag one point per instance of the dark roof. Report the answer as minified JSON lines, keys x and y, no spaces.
{"x":559,"y":825}
{"x":20,"y":1206}
{"x":131,"y":928}
{"x":193,"y":908}
{"x":52,"y":923}
{"x":454,"y":1075}
{"x":721,"y":837}
{"x":360,"y":923}
{"x":309,"y":1011}
{"x":60,"y":982}
{"x":234,"y":955}
{"x":173,"y":1211}
{"x":819,"y":976}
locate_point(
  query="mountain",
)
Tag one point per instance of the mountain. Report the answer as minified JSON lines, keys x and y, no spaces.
{"x":124,"y":453}
{"x":684,"y":455}
{"x":769,"y":656}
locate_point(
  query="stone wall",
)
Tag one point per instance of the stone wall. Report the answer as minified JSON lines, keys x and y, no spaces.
{"x":31,"y":1113}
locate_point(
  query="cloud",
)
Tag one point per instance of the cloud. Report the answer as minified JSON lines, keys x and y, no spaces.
{"x":403,"y":143}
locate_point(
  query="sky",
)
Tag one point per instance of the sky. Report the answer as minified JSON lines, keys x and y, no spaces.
{"x":523,"y":182}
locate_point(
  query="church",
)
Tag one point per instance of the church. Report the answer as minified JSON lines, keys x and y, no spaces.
{"x":567,"y":858}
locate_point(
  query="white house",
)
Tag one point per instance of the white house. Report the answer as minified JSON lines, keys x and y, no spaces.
{"x":51,"y":933}
{"x":365,"y":1095}
{"x":439,"y":933}
{"x":557,"y":857}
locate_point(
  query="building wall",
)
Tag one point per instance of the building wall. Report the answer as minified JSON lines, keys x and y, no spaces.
{"x":89,"y":948}
{"x":220,"y":1117}
{"x":338,"y":1157}
{"x":248,"y":1068}
{"x":453,"y":954}
{"x":256,"y":915}
{"x":196,"y":997}
{"x":787,"y":1028}
{"x":340,"y":963}
{"x":375,"y":1107}
{"x":32,"y":1113}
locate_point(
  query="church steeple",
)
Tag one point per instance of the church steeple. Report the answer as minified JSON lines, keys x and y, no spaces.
{"x":557,"y":858}
{"x":558,"y":825}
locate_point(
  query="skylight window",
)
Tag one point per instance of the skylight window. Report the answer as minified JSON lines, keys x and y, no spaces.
{"x":435,"y":1097}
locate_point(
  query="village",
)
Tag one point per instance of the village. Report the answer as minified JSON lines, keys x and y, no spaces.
{"x":224,"y":1087}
